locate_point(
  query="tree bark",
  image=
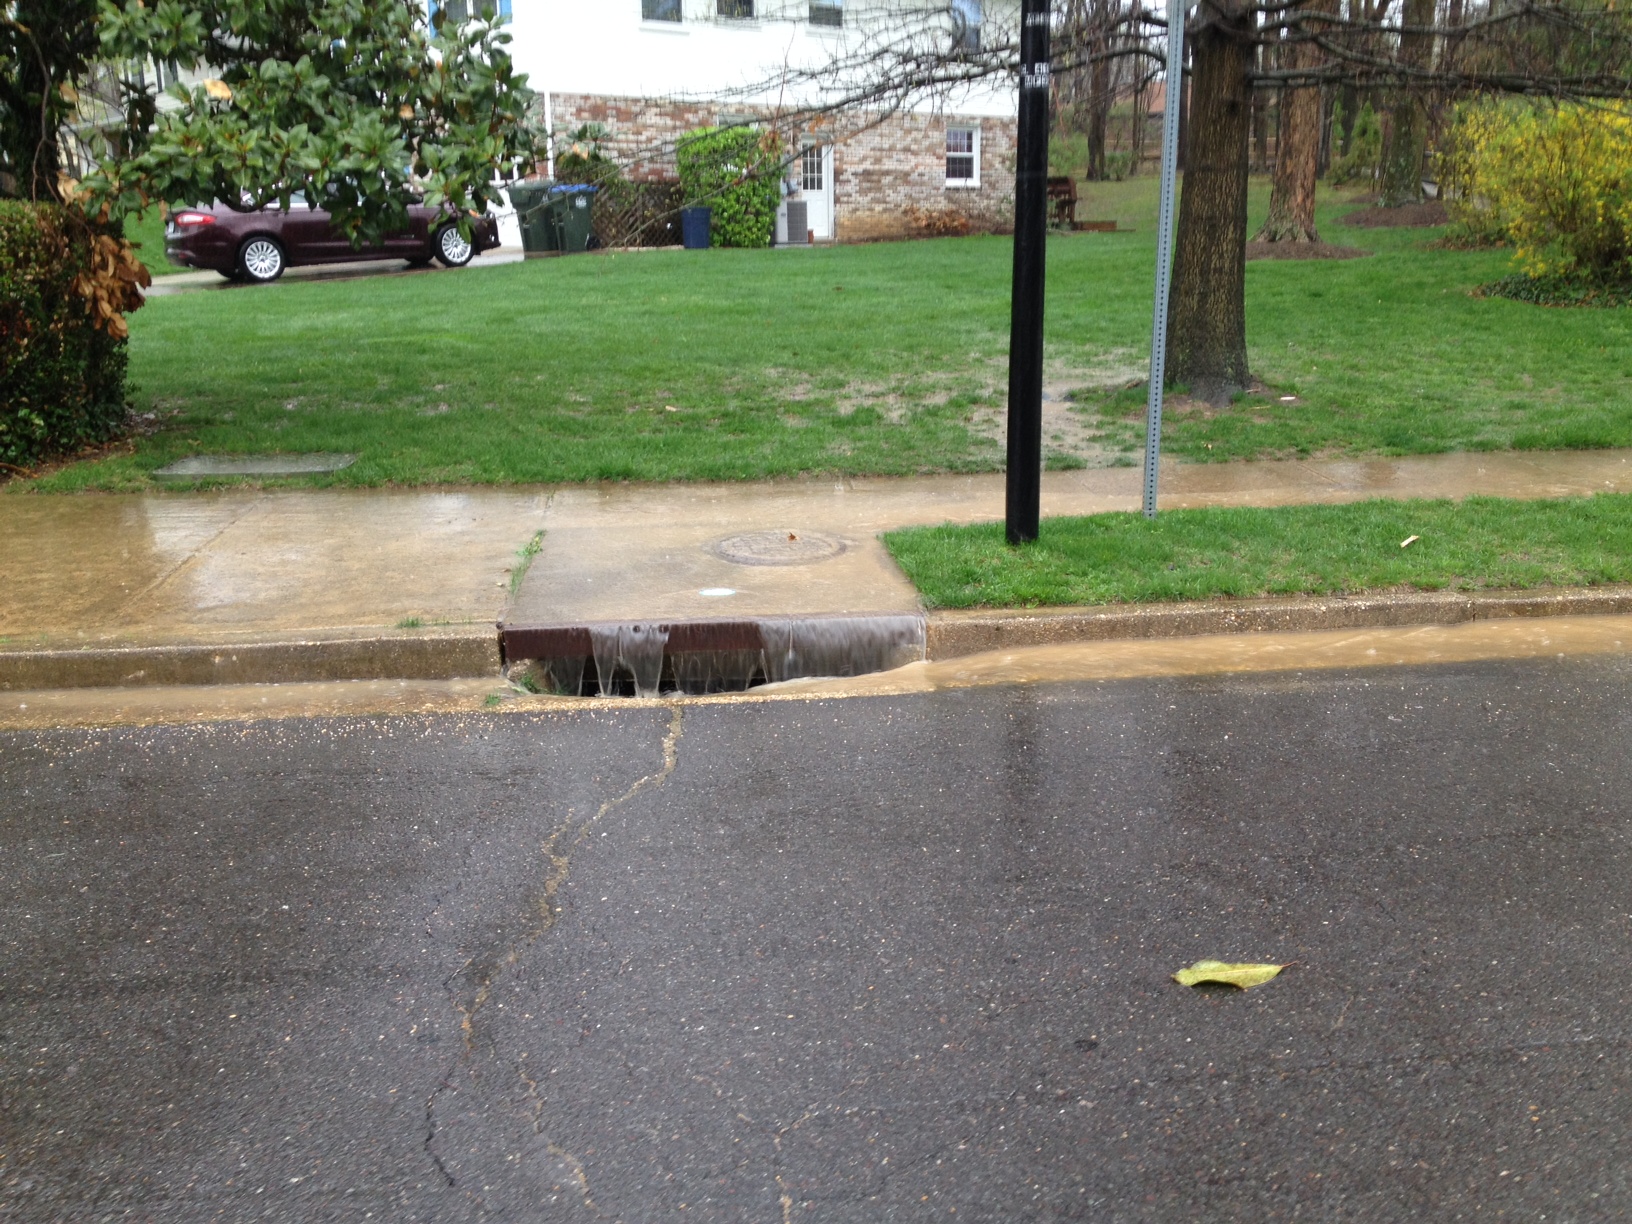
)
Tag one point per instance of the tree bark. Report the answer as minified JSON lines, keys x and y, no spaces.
{"x":1207,"y":333}
{"x":1098,"y":117}
{"x":1408,"y":133}
{"x":1297,"y":161}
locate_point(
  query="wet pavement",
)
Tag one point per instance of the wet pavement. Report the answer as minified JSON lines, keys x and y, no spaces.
{"x":208,"y":567}
{"x":901,"y":957}
{"x":237,"y":565}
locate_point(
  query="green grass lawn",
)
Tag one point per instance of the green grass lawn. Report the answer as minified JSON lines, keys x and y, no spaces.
{"x":146,"y":233}
{"x":871,"y":359}
{"x":1481,"y":542}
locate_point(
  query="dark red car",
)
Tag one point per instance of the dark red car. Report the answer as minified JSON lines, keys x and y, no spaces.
{"x":257,"y":246}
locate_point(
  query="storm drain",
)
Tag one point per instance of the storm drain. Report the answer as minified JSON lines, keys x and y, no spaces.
{"x":700,"y":657}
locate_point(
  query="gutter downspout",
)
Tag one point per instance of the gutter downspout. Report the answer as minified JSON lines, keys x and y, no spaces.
{"x":549,"y":135}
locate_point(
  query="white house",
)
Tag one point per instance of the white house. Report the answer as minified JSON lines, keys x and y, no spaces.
{"x":648,"y":71}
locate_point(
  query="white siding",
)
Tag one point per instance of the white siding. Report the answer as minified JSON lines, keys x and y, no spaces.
{"x":604,"y":47}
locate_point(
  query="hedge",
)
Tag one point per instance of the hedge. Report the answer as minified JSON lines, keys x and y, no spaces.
{"x":737,"y":172}
{"x":64,"y":287}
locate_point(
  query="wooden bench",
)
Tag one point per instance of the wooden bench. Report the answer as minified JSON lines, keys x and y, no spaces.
{"x":1062,"y":207}
{"x":1062,"y":200}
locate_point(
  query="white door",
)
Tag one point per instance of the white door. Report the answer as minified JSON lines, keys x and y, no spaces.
{"x":816,"y":190}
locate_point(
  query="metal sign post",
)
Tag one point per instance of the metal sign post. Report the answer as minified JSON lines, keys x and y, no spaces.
{"x":1025,"y":461}
{"x":1164,"y":248}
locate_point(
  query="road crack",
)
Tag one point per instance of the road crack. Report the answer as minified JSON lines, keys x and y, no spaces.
{"x":557,"y":850}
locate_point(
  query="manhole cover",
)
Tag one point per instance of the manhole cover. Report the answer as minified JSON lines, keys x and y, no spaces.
{"x":777,"y":547}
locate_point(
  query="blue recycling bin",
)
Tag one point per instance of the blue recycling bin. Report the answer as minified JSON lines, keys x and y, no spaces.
{"x":696,"y":225}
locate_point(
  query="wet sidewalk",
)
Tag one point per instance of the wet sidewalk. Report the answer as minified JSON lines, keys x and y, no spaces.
{"x":666,"y":551}
{"x":245,"y":586}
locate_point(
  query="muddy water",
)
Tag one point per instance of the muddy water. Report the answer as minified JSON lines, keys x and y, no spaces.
{"x":1220,"y":654}
{"x":1267,"y":653}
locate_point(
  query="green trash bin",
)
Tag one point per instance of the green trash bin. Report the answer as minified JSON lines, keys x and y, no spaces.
{"x":530,"y":199}
{"x":569,"y":210}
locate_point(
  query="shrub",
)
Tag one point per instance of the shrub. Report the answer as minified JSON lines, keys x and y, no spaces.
{"x":736,"y":171}
{"x":580,"y":159}
{"x":65,"y":284}
{"x":1555,"y":180}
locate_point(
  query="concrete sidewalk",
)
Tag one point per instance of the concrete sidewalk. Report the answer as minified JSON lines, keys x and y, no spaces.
{"x":243,"y":587}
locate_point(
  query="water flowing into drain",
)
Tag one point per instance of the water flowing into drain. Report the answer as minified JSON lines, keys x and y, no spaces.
{"x":636,"y":648}
{"x":700,"y":657}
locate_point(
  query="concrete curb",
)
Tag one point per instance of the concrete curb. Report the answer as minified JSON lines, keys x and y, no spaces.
{"x":956,"y":633}
{"x":475,"y":652}
{"x":433,"y":656}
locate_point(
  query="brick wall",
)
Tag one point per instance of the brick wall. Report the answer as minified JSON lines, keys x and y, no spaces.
{"x":890,"y":178}
{"x":643,"y":132}
{"x":889,"y":171}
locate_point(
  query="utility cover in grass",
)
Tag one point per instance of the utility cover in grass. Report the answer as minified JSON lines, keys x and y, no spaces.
{"x":255,"y":465}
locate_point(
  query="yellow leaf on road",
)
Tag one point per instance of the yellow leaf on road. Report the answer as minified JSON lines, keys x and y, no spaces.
{"x":1244,"y":976}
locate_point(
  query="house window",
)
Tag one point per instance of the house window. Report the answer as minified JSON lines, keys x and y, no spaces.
{"x":810,"y":170}
{"x":962,"y":157}
{"x":966,"y":25}
{"x":735,"y":8}
{"x":827,"y":13}
{"x":660,"y":10}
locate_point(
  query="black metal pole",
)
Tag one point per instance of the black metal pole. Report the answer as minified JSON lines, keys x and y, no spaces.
{"x":1025,"y":472}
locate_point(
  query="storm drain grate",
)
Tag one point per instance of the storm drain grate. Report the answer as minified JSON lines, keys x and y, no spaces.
{"x":699,"y":657}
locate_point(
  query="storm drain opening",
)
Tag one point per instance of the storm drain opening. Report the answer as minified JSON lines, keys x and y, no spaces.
{"x":703,"y":657}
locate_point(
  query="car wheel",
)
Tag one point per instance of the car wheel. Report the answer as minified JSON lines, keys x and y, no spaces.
{"x":261,"y":261}
{"x":452,"y":247}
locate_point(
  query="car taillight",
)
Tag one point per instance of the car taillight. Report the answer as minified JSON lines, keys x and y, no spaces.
{"x":193,"y":218}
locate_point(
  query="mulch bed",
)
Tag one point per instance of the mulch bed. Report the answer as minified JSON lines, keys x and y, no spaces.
{"x":1302,"y":250}
{"x":1407,"y":216}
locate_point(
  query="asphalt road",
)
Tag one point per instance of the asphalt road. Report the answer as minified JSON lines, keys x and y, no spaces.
{"x":882,"y":959}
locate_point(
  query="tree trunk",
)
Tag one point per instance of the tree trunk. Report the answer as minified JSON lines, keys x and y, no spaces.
{"x":1184,"y":109}
{"x":1408,"y":134}
{"x":1098,"y":116}
{"x":1259,"y":162}
{"x":1297,"y":161}
{"x":1402,"y":163}
{"x":1207,"y":332}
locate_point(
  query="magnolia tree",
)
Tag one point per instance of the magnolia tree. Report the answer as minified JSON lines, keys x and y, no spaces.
{"x":359,"y":104}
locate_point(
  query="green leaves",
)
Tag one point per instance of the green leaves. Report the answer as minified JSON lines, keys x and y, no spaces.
{"x":1245,"y":976}
{"x":356,"y":103}
{"x":736,"y":171}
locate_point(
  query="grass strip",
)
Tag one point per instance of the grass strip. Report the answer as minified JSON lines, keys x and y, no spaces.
{"x":1481,"y":542}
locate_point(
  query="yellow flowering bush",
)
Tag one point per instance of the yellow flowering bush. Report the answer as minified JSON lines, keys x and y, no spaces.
{"x":1553,"y":179}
